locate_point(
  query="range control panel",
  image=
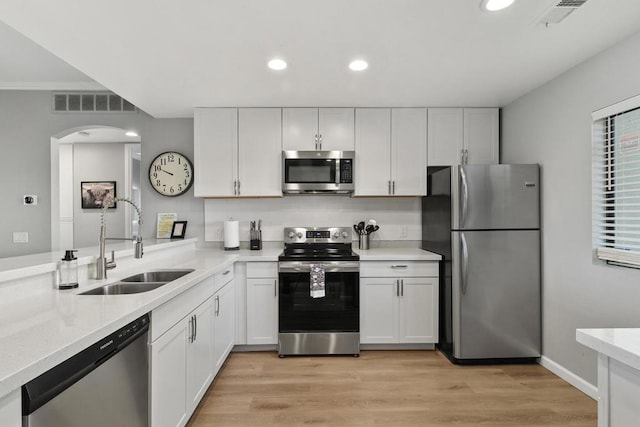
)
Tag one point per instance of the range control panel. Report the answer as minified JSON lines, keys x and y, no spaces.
{"x":317,"y":235}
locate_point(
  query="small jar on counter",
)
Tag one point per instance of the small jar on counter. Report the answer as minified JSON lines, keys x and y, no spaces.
{"x":68,"y":271}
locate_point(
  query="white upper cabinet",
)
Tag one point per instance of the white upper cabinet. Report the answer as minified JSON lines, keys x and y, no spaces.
{"x":373,"y":152}
{"x":409,"y":151}
{"x":391,"y":147}
{"x":260,"y":148}
{"x":317,"y":129}
{"x":463,"y":135}
{"x":215,"y":151}
{"x":237,"y":152}
{"x":482,"y":135}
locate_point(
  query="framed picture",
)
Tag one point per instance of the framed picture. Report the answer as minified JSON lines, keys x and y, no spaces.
{"x":94,"y":193}
{"x":165,"y":225}
{"x":179,"y":229}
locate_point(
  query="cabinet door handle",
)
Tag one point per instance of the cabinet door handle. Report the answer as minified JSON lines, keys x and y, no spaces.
{"x":466,"y":156}
{"x":320,"y":141}
{"x":393,"y":187}
{"x":316,"y":139}
{"x":275,"y":288}
{"x":399,"y":266}
{"x":235,"y":188}
{"x":238,"y":187}
{"x":401,"y":287}
{"x":397,"y":288}
{"x":217,"y":305}
{"x":389,"y":187}
{"x":226,"y":272}
{"x":462,"y":157}
{"x":191,"y":329}
{"x":195,"y":327}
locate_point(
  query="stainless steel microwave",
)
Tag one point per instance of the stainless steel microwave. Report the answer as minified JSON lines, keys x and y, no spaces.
{"x":322,"y":172}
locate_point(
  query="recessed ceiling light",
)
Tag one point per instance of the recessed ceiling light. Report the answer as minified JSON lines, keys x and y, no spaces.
{"x":131,"y":133}
{"x":358,"y":65}
{"x":494,"y":5}
{"x":277,"y":64}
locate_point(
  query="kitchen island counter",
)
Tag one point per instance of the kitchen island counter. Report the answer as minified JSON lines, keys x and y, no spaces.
{"x":618,"y":373}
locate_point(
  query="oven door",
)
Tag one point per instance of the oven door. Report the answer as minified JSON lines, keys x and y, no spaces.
{"x":337,"y":311}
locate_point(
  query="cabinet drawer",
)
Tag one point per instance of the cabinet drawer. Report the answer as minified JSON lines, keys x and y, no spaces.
{"x":398,"y":269}
{"x":257,"y":270}
{"x":171,"y":312}
{"x":223,"y":277}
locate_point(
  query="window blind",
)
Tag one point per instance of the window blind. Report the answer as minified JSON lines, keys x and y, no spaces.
{"x":616,"y":188}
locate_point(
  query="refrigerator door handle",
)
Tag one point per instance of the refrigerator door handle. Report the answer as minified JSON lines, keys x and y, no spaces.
{"x":464,"y":264}
{"x":464,"y":196}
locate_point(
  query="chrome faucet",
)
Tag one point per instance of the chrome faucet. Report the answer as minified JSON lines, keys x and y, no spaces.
{"x":102,"y":265}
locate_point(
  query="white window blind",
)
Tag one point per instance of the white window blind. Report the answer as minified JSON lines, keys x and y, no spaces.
{"x":616,"y":188}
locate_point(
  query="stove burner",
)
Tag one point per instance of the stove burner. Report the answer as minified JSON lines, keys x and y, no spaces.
{"x":304,"y":244}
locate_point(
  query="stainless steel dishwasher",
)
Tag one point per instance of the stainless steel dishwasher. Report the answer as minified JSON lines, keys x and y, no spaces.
{"x":104,"y":385}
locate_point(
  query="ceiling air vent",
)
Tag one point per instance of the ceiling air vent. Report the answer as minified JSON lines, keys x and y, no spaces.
{"x":93,"y":102}
{"x":560,"y":11}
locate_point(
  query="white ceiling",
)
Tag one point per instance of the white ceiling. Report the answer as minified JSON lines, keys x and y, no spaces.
{"x":168,"y":56}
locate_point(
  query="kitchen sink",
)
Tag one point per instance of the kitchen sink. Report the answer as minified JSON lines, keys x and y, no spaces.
{"x":122,"y":288}
{"x":142,"y":282}
{"x":157,"y":276}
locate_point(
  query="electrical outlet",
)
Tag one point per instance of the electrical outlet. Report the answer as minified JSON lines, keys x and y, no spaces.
{"x":30,"y":200}
{"x":403,"y":231}
{"x":20,"y":237}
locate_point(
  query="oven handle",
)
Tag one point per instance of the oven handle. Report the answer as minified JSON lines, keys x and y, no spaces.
{"x":329,"y":266}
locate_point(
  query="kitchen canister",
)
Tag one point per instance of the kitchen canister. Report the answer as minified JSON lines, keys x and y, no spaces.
{"x":363,"y":241}
{"x":231,"y":235}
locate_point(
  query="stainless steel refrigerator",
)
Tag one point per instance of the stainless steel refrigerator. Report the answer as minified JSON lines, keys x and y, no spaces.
{"x":485,"y":222}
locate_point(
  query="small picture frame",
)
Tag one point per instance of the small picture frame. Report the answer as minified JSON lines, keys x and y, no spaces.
{"x":94,"y":194}
{"x":179,"y":229}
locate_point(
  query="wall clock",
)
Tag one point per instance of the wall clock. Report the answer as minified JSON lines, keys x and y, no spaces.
{"x":171,"y":174}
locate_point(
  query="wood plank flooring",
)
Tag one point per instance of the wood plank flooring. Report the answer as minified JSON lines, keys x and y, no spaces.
{"x":387,"y":388}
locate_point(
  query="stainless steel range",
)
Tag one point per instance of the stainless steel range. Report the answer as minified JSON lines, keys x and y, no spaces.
{"x":319,"y":295}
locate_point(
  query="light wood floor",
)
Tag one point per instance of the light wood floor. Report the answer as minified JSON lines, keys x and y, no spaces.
{"x":387,"y":388}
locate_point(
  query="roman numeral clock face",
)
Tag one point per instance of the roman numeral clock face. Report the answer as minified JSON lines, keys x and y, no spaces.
{"x":171,"y":174}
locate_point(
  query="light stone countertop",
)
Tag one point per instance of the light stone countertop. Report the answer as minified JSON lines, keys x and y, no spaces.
{"x":40,"y":326}
{"x":396,"y":254}
{"x":622,"y":344}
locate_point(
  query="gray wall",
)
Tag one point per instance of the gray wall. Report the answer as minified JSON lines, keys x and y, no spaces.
{"x":97,"y":162}
{"x":26,"y":126}
{"x":552,"y":126}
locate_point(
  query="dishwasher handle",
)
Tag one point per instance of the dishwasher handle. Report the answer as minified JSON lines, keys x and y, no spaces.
{"x":42,"y":389}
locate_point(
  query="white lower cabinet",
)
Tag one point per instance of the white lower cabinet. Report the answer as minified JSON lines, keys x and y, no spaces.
{"x":191,"y":337}
{"x":400,"y":305}
{"x":181,"y":368}
{"x":262,"y":303}
{"x":11,"y":410}
{"x":224,"y":321}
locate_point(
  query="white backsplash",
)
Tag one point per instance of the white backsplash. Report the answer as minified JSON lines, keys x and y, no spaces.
{"x":398,"y":217}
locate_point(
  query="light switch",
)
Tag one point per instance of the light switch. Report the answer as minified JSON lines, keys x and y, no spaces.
{"x":20,"y":237}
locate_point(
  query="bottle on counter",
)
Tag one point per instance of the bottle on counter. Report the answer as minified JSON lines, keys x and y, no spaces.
{"x":68,"y":271}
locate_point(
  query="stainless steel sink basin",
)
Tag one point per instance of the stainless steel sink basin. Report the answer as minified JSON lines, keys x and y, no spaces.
{"x":157,"y":276}
{"x":142,"y":282}
{"x":122,"y":288}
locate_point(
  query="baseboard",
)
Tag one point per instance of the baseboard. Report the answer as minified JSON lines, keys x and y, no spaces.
{"x":576,"y":381}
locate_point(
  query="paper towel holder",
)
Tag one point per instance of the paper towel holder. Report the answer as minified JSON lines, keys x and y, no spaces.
{"x":231,"y":235}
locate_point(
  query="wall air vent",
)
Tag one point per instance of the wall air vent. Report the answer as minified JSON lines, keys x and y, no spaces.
{"x":560,"y":11}
{"x":91,"y":102}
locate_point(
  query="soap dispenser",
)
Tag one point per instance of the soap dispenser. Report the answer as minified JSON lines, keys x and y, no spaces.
{"x":68,"y":271}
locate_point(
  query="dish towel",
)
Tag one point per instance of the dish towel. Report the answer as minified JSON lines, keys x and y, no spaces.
{"x":317,"y":281}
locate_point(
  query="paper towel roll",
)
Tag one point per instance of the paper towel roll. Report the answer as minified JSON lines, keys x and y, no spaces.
{"x":231,"y":235}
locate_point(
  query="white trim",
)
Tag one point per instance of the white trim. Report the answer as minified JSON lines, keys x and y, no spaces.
{"x":603,"y":384}
{"x":573,"y":379}
{"x":52,"y":86}
{"x":618,"y":107}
